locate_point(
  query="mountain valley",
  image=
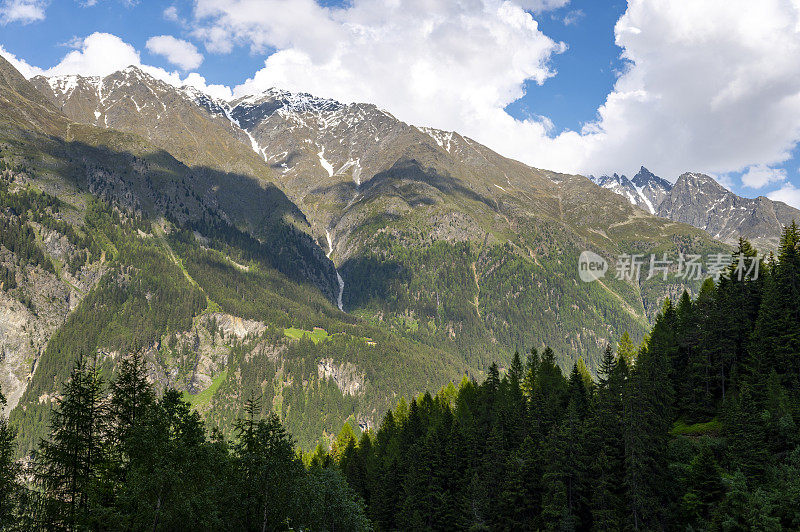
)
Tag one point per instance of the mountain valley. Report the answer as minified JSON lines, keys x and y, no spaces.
{"x":326,"y":257}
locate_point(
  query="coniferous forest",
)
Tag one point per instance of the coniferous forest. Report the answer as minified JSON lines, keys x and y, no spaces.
{"x":695,"y":429}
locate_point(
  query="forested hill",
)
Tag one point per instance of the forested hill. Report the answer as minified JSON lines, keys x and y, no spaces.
{"x":695,"y":429}
{"x":156,"y":228}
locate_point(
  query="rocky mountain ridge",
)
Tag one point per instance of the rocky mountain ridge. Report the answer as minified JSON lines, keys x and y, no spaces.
{"x":698,"y":200}
{"x":443,"y":249}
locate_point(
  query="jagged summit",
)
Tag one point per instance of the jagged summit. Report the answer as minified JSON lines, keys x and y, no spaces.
{"x":645,"y":177}
{"x":646,"y":190}
{"x":699,"y":200}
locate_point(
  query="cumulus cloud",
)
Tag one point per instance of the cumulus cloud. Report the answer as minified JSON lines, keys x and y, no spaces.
{"x":453,"y":65}
{"x":542,"y":5}
{"x":24,"y":68}
{"x":101,"y":54}
{"x":710,"y":86}
{"x":759,"y":176}
{"x":24,"y":11}
{"x":171,"y":13}
{"x":788,"y":194}
{"x":180,"y":53}
{"x":197,"y":81}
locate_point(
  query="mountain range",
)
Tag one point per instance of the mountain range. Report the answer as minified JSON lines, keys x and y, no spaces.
{"x":697,"y":199}
{"x":323,"y":257}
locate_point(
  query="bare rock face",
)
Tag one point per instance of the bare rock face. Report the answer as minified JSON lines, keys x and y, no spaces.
{"x":368,"y":187}
{"x":652,"y":187}
{"x":26,"y":328}
{"x":233,"y":326}
{"x":646,"y":190}
{"x":190,"y":360}
{"x":699,"y":200}
{"x":346,"y":375}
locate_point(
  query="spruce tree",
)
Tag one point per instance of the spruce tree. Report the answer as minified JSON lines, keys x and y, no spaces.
{"x":564,"y":502}
{"x":68,"y":464}
{"x":704,"y":488}
{"x":9,"y":471}
{"x":646,"y":424}
{"x":267,"y":468}
{"x":605,"y":436}
{"x":776,"y":338}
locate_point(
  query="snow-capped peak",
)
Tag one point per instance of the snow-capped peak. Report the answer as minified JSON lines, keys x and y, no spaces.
{"x":646,"y":190}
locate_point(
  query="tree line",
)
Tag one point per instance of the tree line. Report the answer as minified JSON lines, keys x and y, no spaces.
{"x":120,"y":458}
{"x":696,"y":428}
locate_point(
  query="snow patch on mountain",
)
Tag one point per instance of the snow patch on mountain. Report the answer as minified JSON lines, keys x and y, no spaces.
{"x":324,"y":162}
{"x":442,"y":138}
{"x":645,"y":190}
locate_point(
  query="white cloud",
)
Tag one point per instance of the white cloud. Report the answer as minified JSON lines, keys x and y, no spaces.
{"x":759,"y":176}
{"x":171,"y":13}
{"x":180,"y":53}
{"x":573,"y":17}
{"x":788,"y":194}
{"x":725,"y":180}
{"x":24,"y":68}
{"x":24,"y":11}
{"x":101,"y":54}
{"x":711,"y":86}
{"x":714,"y":86}
{"x":199,"y":82}
{"x":454,"y":65}
{"x":537,"y":6}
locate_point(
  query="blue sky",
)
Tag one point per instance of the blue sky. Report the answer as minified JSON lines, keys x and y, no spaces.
{"x":543,"y":81}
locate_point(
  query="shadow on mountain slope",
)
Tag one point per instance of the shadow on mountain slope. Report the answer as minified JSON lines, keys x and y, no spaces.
{"x":123,"y":169}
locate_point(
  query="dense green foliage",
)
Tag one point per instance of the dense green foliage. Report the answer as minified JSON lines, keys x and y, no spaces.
{"x":155,"y":287}
{"x":698,"y":430}
{"x":20,"y":239}
{"x":121,"y":459}
{"x":142,"y":295}
{"x":477,"y":298}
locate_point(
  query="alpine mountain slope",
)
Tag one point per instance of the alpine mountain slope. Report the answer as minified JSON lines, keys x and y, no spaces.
{"x":323,"y":257}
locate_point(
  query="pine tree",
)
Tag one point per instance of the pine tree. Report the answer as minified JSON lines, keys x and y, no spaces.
{"x":606,"y":437}
{"x":9,"y":471}
{"x":131,"y":396}
{"x":626,"y":350}
{"x":355,"y":465}
{"x":697,"y":379}
{"x":67,"y":466}
{"x":267,"y":467}
{"x":727,"y":333}
{"x":564,"y":502}
{"x":531,"y":368}
{"x":704,"y":488}
{"x":520,"y":499}
{"x":549,"y":396}
{"x":745,"y":435}
{"x":387,"y":480}
{"x":776,"y":338}
{"x":647,"y":421}
{"x":513,"y":407}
